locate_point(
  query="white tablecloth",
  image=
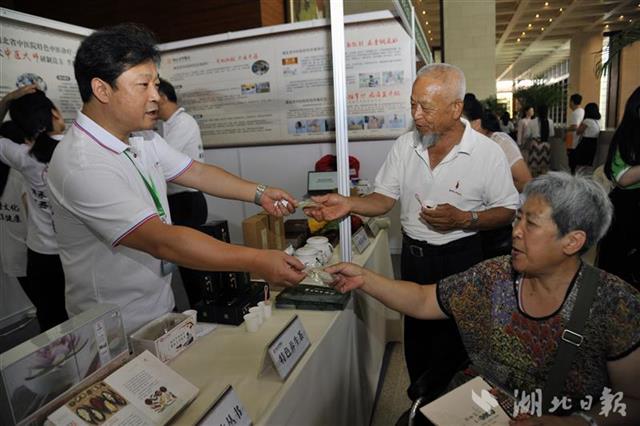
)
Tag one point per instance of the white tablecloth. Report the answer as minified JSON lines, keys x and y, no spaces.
{"x":334,"y":383}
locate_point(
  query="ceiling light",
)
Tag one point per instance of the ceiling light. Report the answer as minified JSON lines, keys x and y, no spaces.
{"x":426,"y":22}
{"x":518,"y":40}
{"x":431,"y":39}
{"x":550,"y":19}
{"x":560,"y":9}
{"x":537,"y":15}
{"x":606,"y":26}
{"x":529,"y":25}
{"x":424,"y":12}
{"x":523,"y":33}
{"x":542,"y":29}
{"x":546,"y":3}
{"x":621,"y":17}
{"x":429,"y":32}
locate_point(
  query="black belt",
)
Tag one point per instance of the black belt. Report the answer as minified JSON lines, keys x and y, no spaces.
{"x":419,"y":248}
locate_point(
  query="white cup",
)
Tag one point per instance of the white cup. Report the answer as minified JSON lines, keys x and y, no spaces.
{"x":258,"y":311}
{"x":252,"y":322}
{"x":266,"y":309}
{"x":193,"y":314}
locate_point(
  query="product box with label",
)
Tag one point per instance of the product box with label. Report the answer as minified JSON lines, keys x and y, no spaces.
{"x":166,"y":336}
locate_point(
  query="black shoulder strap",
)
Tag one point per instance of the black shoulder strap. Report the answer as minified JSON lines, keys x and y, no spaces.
{"x":571,"y":338}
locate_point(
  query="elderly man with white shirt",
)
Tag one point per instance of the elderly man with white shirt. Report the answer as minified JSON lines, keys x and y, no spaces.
{"x":451,"y":182}
{"x":109,"y":192}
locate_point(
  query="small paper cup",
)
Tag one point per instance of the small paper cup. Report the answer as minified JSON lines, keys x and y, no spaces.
{"x":252,"y":322}
{"x":258,"y":311}
{"x":266,"y":309}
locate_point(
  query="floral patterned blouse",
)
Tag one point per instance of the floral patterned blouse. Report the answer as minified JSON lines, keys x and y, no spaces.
{"x":516,"y":350}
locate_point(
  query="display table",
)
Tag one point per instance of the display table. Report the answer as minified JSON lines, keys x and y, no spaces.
{"x":334,"y":383}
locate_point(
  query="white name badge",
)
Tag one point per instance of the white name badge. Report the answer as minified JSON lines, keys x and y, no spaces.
{"x":288,"y":347}
{"x":227,"y":410}
{"x":360,"y":240}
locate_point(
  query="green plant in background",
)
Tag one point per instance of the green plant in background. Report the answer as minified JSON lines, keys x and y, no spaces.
{"x":539,"y":93}
{"x":493,"y":104}
{"x":617,"y":42}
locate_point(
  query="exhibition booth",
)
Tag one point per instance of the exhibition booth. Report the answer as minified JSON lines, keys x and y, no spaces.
{"x":265,"y":101}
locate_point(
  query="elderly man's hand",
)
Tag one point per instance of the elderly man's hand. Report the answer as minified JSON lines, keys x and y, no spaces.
{"x":549,"y":421}
{"x":277,"y":267}
{"x":331,"y":206}
{"x":277,"y":202}
{"x":445,"y":217}
{"x":347,"y":276}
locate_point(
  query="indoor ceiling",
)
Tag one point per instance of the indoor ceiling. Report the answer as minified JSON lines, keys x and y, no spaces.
{"x":533,"y":35}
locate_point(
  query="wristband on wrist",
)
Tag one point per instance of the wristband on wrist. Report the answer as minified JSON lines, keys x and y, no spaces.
{"x":474,"y":219}
{"x":259,"y":191}
{"x":586,"y":417}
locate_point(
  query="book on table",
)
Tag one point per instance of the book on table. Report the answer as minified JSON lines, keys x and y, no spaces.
{"x":475,"y":403}
{"x":144,"y":391}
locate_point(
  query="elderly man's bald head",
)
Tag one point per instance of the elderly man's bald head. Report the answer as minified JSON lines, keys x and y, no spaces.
{"x":453,"y":84}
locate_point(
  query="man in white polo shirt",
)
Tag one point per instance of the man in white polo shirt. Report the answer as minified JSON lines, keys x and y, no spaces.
{"x":108,"y":192}
{"x":464,"y":184}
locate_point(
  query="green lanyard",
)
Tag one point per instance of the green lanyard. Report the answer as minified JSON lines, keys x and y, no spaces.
{"x":150,"y":187}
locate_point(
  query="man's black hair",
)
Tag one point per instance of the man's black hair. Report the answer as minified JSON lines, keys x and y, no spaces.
{"x":490,"y":122}
{"x":472,"y":108}
{"x":165,"y":88}
{"x":109,"y":52}
{"x":576,"y":98}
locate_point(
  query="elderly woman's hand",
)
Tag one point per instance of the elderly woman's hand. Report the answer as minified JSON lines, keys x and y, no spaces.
{"x":348,"y":276}
{"x":549,"y":421}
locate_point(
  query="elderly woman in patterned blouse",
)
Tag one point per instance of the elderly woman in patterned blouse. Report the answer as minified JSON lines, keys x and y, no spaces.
{"x":512,"y":310}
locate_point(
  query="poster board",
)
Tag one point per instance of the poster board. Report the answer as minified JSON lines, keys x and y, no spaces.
{"x":275,"y":86}
{"x":38,"y":50}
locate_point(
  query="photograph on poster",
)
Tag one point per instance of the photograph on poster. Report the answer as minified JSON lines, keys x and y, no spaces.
{"x":391,"y":78}
{"x":369,"y":80}
{"x":30,"y":78}
{"x":260,"y":67}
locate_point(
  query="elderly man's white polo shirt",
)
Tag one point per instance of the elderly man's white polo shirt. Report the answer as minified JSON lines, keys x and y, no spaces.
{"x":98,"y":198}
{"x":474,"y":175}
{"x":182,"y":132}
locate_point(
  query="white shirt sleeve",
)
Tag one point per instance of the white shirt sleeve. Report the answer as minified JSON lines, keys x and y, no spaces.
{"x":17,"y":157}
{"x":184,"y":136}
{"x":508,"y":145}
{"x":499,"y":188}
{"x":172,"y":161}
{"x":388,"y":181}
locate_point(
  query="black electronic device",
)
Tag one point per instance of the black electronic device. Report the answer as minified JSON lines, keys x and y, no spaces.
{"x":319,"y":183}
{"x":231,"y":309}
{"x":312,"y":297}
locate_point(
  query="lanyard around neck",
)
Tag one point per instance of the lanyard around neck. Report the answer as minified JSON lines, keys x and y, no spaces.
{"x":150,"y":187}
